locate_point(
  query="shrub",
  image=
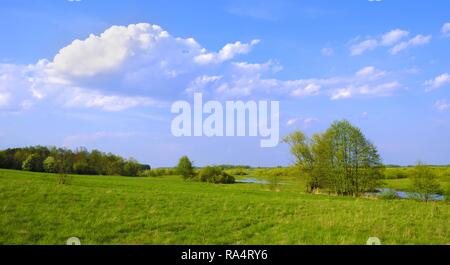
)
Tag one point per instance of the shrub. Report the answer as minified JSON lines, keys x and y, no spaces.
{"x":389,"y":195}
{"x":239,"y":171}
{"x":131,"y":168}
{"x":185,"y":168}
{"x":159,"y":172}
{"x":215,"y":175}
{"x":425,"y":182}
{"x":64,"y":179}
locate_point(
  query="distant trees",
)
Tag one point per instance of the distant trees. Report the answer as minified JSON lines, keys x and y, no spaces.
{"x":33,"y":162}
{"x":341,"y":159}
{"x":185,"y":168}
{"x":50,"y":165}
{"x":61,"y":160}
{"x":424,"y":182}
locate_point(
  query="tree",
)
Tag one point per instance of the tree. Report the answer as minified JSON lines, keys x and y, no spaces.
{"x":33,"y":163}
{"x":341,"y":159}
{"x":131,"y":168}
{"x":354,"y":161}
{"x":50,"y":165}
{"x":185,"y":168}
{"x":424,"y":182}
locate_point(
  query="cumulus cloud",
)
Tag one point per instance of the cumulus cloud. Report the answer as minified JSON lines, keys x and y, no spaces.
{"x":123,"y":67}
{"x":442,"y":105}
{"x":142,"y":65}
{"x":392,"y":39}
{"x":228,"y":52}
{"x":368,"y":81}
{"x":437,"y":82}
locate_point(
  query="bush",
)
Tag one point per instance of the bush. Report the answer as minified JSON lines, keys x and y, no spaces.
{"x":131,"y":168}
{"x":64,"y":179}
{"x":185,"y":168}
{"x":389,"y":195}
{"x":215,"y":175}
{"x":159,"y":172}
{"x":239,"y":171}
{"x":425,"y":182}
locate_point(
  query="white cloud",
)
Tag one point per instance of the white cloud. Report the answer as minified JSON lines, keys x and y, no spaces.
{"x":123,"y":67}
{"x":393,"y":37}
{"x":308,"y":90}
{"x":361,"y":47}
{"x":370,"y":72}
{"x":389,"y":39}
{"x":437,"y":82}
{"x":368,"y":81}
{"x":142,"y":65}
{"x":94,"y":99}
{"x":442,"y":105}
{"x":418,"y":40}
{"x":305,"y":123}
{"x":228,"y":52}
{"x":446,"y":29}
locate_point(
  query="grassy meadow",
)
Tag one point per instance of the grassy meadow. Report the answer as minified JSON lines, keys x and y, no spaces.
{"x":35,"y":209}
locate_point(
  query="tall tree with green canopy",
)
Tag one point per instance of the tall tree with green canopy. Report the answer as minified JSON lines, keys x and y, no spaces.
{"x":341,"y":159}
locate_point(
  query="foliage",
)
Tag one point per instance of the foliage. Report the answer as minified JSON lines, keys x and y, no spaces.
{"x":215,"y":175}
{"x":159,"y":172}
{"x":61,"y":160}
{"x":341,"y":159}
{"x":33,"y":163}
{"x":185,"y":168}
{"x":237,"y":171}
{"x":50,"y":165}
{"x":425,"y":182}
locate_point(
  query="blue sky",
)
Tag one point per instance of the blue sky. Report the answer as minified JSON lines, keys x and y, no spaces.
{"x":102,"y":74}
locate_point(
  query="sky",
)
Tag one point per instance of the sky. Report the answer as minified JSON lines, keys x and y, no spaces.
{"x":103,"y":74}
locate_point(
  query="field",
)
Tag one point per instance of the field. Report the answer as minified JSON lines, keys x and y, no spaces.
{"x":35,"y":209}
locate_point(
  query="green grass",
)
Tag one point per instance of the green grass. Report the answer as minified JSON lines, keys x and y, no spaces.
{"x":35,"y":209}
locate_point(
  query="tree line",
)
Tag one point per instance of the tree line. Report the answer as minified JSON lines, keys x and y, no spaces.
{"x":62,"y":160}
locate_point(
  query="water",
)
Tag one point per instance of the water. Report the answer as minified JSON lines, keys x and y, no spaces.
{"x":255,"y":181}
{"x":406,"y":195}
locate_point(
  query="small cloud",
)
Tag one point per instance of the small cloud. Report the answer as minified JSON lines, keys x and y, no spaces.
{"x":442,"y":105}
{"x":303,"y":122}
{"x":363,"y":46}
{"x":446,"y":29}
{"x":228,"y":52}
{"x":389,"y":39}
{"x":418,"y":40}
{"x":437,"y":82}
{"x":393,"y":37}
